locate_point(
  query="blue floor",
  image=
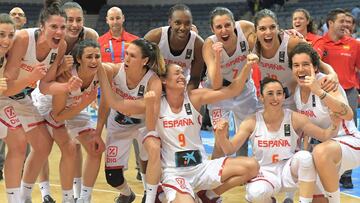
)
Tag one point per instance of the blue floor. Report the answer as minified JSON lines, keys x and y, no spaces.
{"x":208,"y":140}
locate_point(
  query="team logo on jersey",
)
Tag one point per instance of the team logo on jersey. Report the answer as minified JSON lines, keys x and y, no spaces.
{"x":107,"y":50}
{"x":242,"y":46}
{"x":325,"y":53}
{"x":52,"y":58}
{"x":282,"y":56}
{"x":188,"y":109}
{"x":2,"y":61}
{"x":346,"y":47}
{"x":188,"y":53}
{"x":287,"y":130}
{"x":141,"y":90}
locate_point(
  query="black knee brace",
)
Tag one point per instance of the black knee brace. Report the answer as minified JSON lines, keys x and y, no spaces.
{"x":114,"y":177}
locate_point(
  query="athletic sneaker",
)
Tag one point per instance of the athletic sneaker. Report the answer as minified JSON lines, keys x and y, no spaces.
{"x":125,"y":199}
{"x":288,"y":200}
{"x":48,"y":199}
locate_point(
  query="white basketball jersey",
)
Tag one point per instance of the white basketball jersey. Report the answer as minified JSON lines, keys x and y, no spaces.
{"x":277,"y":67}
{"x":30,"y":60}
{"x":179,"y":132}
{"x":75,"y":97}
{"x":319,"y":113}
{"x":185,"y":58}
{"x":272,"y":147}
{"x":231,"y":65}
{"x":120,"y":87}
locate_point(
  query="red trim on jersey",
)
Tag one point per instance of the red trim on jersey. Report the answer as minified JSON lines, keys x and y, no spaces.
{"x":222,"y":166}
{"x":318,"y":195}
{"x":54,"y":126}
{"x":9,"y":126}
{"x":175,"y":188}
{"x":148,"y":137}
{"x":37,"y":123}
{"x":86,"y":130}
{"x":345,"y":128}
{"x":258,"y":179}
{"x":349,"y":145}
{"x":114,"y":167}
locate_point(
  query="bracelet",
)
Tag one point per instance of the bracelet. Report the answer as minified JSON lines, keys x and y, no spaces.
{"x":323,"y":95}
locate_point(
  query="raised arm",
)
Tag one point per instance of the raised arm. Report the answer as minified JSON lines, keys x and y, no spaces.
{"x":222,"y":134}
{"x":334,"y":100}
{"x":207,"y":96}
{"x":197,"y":64}
{"x":212,"y":56}
{"x":125,"y":106}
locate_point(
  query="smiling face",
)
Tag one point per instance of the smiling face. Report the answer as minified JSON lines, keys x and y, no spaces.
{"x":272,"y":95}
{"x":175,"y":78}
{"x":223,"y":27}
{"x":302,"y":66}
{"x":90,"y":59}
{"x":54,"y":30}
{"x":7,"y":33}
{"x":74,"y":22}
{"x":180,"y":23}
{"x":266,"y":32}
{"x":338,"y":26}
{"x":299,"y":21}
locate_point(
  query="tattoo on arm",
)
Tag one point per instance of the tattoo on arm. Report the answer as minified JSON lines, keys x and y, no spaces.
{"x":343,"y":111}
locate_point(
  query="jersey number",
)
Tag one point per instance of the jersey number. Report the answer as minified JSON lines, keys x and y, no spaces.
{"x":275,"y":158}
{"x":235,"y":72}
{"x":182,"y":140}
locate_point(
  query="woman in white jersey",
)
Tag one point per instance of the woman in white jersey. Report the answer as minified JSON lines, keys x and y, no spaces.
{"x":186,"y":168}
{"x":274,"y":135}
{"x":15,"y":155}
{"x":36,"y":54}
{"x":273,"y":47}
{"x":236,"y":40}
{"x":130,"y":81}
{"x":74,"y":33}
{"x":334,"y":156}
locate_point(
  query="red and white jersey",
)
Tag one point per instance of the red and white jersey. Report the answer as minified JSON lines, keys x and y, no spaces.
{"x":75,"y":97}
{"x":185,"y":58}
{"x":278,"y":67}
{"x":231,"y":65}
{"x":120,"y":88}
{"x":30,"y":60}
{"x":179,"y":132}
{"x":272,"y":147}
{"x":319,"y":113}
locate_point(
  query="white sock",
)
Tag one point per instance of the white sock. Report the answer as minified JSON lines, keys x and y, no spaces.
{"x":143,"y":179}
{"x":26,"y":190}
{"x":85,"y":193}
{"x":13,"y":195}
{"x":211,"y":194}
{"x":44,"y":188}
{"x":333,"y":197}
{"x":67,"y":195}
{"x":125,"y":190}
{"x":151,"y":191}
{"x":77,"y":187}
{"x":305,"y":200}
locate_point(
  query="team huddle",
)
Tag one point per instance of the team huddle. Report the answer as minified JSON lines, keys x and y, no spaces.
{"x":299,"y":122}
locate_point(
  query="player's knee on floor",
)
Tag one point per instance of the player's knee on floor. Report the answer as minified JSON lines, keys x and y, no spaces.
{"x":114,"y":177}
{"x":259,"y":191}
{"x":305,"y":166}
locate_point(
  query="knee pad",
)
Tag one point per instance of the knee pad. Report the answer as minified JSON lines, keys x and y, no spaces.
{"x":304,"y":166}
{"x":259,"y":191}
{"x":114,"y":177}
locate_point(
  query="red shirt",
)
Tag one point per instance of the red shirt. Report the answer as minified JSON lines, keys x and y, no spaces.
{"x":343,"y":56}
{"x":311,"y":38}
{"x":112,"y":49}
